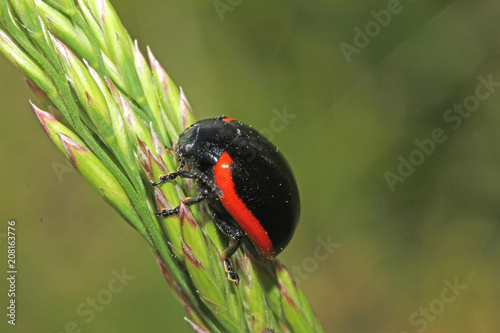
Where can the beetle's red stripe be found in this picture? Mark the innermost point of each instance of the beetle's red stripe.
(236, 207)
(228, 119)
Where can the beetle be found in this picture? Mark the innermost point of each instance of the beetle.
(247, 183)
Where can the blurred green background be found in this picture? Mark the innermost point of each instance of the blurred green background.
(398, 249)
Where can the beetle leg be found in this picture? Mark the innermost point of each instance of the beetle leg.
(166, 178)
(210, 183)
(235, 236)
(227, 253)
(179, 173)
(231, 274)
(194, 200)
(187, 201)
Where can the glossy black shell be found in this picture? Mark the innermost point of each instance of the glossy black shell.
(263, 178)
